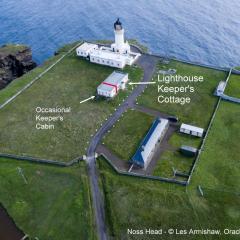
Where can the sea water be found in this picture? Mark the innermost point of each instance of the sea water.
(205, 31)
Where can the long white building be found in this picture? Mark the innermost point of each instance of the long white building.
(191, 130)
(118, 55)
(147, 148)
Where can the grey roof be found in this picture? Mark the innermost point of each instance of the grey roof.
(114, 78)
(189, 148)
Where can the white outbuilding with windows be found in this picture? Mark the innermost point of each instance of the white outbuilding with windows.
(86, 49)
(191, 130)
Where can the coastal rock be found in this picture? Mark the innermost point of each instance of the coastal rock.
(15, 60)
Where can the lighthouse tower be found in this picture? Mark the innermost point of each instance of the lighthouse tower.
(119, 45)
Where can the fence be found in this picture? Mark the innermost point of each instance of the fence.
(208, 129)
(41, 161)
(38, 77)
(231, 99)
(162, 179)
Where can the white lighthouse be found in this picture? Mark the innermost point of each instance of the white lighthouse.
(120, 45)
(117, 56)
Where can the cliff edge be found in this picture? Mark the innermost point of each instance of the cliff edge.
(15, 60)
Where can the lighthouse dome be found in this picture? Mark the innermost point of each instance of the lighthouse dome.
(118, 25)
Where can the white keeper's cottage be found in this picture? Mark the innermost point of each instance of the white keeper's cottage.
(112, 84)
(118, 55)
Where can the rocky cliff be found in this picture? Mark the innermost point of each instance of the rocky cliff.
(15, 60)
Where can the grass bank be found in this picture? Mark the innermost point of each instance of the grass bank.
(233, 87)
(199, 110)
(126, 135)
(52, 203)
(134, 203)
(69, 82)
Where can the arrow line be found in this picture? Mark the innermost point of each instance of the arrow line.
(138, 83)
(92, 97)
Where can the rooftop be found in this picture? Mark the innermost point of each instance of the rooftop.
(87, 46)
(109, 55)
(137, 157)
(192, 128)
(115, 78)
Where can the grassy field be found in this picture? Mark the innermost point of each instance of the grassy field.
(219, 162)
(126, 136)
(178, 139)
(134, 203)
(198, 112)
(233, 87)
(174, 159)
(54, 204)
(69, 82)
(143, 204)
(12, 48)
(156, 205)
(19, 83)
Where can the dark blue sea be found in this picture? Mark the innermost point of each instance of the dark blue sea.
(205, 31)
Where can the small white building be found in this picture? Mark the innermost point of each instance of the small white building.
(86, 49)
(220, 88)
(147, 148)
(191, 130)
(112, 84)
(118, 55)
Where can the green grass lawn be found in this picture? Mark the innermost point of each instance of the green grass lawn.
(69, 82)
(233, 86)
(12, 48)
(134, 203)
(54, 204)
(219, 163)
(174, 159)
(126, 136)
(198, 112)
(179, 139)
(19, 83)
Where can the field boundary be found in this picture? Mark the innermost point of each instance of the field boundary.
(225, 69)
(38, 77)
(161, 179)
(208, 130)
(41, 161)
